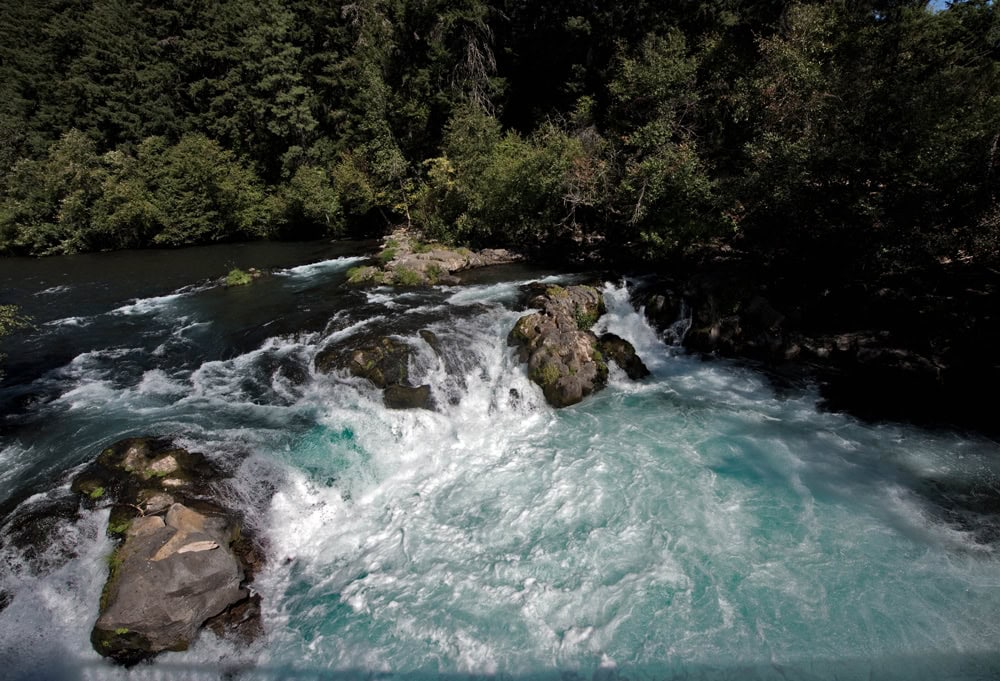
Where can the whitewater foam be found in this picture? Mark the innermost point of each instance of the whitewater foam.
(690, 523)
(322, 267)
(70, 321)
(55, 290)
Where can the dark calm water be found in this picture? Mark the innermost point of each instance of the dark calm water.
(694, 525)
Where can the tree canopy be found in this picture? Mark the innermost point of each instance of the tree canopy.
(651, 127)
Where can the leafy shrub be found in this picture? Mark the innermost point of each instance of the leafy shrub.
(204, 193)
(404, 276)
(387, 255)
(434, 273)
(238, 277)
(584, 319)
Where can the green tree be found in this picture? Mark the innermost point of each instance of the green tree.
(245, 81)
(48, 202)
(495, 187)
(127, 214)
(202, 193)
(308, 205)
(666, 192)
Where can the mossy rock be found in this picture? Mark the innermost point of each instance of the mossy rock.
(368, 274)
(382, 360)
(621, 352)
(561, 351)
(121, 519)
(122, 645)
(525, 331)
(126, 468)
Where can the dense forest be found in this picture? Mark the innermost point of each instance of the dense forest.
(644, 128)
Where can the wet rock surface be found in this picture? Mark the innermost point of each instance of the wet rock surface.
(183, 556)
(562, 353)
(171, 574)
(384, 361)
(621, 352)
(408, 397)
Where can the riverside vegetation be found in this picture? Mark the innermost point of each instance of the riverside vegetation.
(862, 130)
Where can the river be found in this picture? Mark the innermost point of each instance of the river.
(699, 524)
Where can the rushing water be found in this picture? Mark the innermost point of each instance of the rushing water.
(697, 524)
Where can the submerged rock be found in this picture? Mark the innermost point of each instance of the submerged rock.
(383, 360)
(562, 352)
(407, 397)
(182, 559)
(621, 352)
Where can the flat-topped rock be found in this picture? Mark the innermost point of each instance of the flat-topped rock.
(405, 260)
(182, 559)
(169, 576)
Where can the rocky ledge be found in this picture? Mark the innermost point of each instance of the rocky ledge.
(406, 260)
(182, 562)
(915, 348)
(565, 358)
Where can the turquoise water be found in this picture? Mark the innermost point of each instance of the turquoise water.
(697, 524)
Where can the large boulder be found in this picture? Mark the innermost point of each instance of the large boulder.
(183, 557)
(562, 352)
(171, 574)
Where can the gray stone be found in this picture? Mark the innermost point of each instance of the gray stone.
(561, 351)
(168, 578)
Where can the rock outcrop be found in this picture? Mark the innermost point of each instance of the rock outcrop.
(731, 317)
(181, 560)
(564, 356)
(384, 361)
(405, 260)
